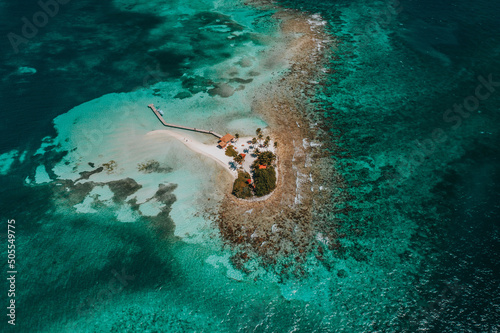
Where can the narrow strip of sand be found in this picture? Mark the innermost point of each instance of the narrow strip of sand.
(210, 151)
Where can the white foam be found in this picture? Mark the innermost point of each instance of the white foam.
(323, 239)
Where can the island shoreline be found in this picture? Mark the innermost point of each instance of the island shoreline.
(250, 226)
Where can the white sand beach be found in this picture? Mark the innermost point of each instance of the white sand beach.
(217, 154)
(211, 151)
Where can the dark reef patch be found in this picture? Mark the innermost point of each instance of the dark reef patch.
(70, 192)
(86, 174)
(196, 84)
(123, 188)
(242, 81)
(164, 193)
(152, 166)
(183, 95)
(222, 89)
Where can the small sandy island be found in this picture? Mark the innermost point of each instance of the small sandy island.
(283, 225)
(241, 145)
(280, 224)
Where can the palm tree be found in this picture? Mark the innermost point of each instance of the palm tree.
(254, 141)
(238, 159)
(236, 136)
(260, 136)
(275, 144)
(258, 130)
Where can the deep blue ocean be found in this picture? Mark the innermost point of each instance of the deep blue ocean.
(410, 114)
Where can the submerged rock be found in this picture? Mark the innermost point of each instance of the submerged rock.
(123, 188)
(222, 89)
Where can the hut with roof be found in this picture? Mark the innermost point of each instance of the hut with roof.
(225, 140)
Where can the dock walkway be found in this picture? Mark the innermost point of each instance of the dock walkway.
(152, 107)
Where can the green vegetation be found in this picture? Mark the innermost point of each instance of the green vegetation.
(265, 181)
(231, 152)
(266, 142)
(263, 170)
(264, 158)
(241, 188)
(238, 159)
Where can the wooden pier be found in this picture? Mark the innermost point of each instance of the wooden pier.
(152, 107)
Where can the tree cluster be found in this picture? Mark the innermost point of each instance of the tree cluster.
(264, 180)
(230, 151)
(264, 158)
(241, 188)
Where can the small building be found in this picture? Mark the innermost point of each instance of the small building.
(225, 140)
(262, 167)
(243, 155)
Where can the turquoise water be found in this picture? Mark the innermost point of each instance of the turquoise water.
(416, 226)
